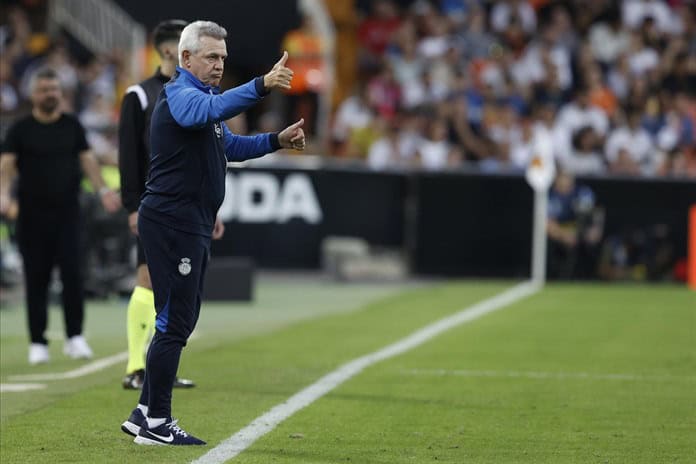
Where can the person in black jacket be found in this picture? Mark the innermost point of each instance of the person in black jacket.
(48, 150)
(133, 161)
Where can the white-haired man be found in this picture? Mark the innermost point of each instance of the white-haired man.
(190, 148)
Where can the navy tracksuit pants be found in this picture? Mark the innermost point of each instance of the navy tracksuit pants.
(177, 262)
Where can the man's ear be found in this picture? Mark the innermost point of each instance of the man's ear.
(186, 55)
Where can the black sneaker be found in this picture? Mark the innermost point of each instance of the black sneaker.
(132, 425)
(166, 434)
(183, 383)
(134, 380)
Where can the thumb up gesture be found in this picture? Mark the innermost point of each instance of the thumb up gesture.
(279, 77)
(293, 136)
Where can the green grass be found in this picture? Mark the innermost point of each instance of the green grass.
(530, 383)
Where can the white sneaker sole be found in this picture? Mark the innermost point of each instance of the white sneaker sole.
(146, 441)
(130, 428)
(72, 355)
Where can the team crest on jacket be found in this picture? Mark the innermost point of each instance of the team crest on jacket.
(218, 130)
(185, 266)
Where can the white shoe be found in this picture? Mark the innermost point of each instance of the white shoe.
(77, 348)
(38, 354)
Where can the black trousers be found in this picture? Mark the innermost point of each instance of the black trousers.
(50, 237)
(579, 262)
(177, 262)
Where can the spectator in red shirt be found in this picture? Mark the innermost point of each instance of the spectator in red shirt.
(375, 31)
(384, 92)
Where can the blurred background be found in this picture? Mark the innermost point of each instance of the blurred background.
(421, 119)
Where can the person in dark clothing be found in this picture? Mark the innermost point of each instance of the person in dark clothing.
(191, 146)
(574, 229)
(49, 152)
(133, 162)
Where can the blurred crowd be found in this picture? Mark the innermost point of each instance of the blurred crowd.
(449, 83)
(452, 82)
(92, 85)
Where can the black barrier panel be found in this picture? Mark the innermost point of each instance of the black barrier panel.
(363, 204)
(473, 225)
(463, 224)
(639, 203)
(351, 203)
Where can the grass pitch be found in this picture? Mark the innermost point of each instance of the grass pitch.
(573, 374)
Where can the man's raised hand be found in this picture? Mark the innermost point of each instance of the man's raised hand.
(293, 136)
(279, 77)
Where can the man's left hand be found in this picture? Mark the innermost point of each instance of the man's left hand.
(293, 136)
(218, 229)
(279, 77)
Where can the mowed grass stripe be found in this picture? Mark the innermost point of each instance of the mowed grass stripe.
(237, 380)
(386, 415)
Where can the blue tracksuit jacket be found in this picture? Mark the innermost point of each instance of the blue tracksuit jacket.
(190, 147)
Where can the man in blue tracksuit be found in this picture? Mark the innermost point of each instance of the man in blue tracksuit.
(190, 148)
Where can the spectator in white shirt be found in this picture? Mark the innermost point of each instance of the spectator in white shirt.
(629, 148)
(531, 67)
(522, 152)
(535, 130)
(353, 113)
(397, 148)
(636, 11)
(574, 116)
(641, 58)
(504, 128)
(503, 12)
(435, 152)
(585, 157)
(409, 69)
(435, 43)
(608, 39)
(618, 78)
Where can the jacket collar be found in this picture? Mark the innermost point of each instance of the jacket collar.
(193, 80)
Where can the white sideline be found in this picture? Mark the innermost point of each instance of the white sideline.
(20, 387)
(87, 369)
(263, 424)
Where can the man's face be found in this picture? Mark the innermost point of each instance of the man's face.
(46, 94)
(209, 62)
